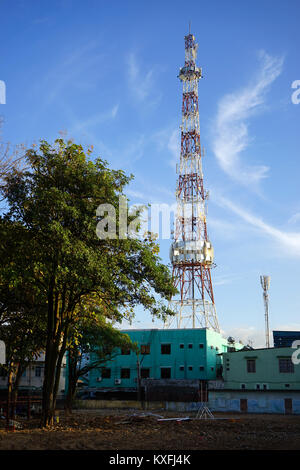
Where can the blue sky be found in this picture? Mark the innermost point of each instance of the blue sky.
(106, 73)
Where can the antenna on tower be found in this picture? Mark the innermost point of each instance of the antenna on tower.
(265, 284)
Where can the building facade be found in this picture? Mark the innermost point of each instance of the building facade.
(33, 376)
(166, 354)
(261, 369)
(259, 381)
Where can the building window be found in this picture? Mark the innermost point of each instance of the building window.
(3, 371)
(190, 367)
(125, 351)
(211, 347)
(105, 373)
(38, 371)
(181, 346)
(145, 373)
(212, 368)
(181, 368)
(165, 372)
(257, 386)
(243, 386)
(201, 368)
(251, 366)
(166, 349)
(287, 385)
(265, 386)
(145, 348)
(201, 345)
(286, 365)
(125, 373)
(190, 346)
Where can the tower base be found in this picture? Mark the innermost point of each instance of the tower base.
(193, 314)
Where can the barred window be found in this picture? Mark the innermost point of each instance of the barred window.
(286, 365)
(145, 373)
(251, 365)
(165, 373)
(145, 348)
(38, 371)
(125, 373)
(166, 349)
(125, 351)
(105, 373)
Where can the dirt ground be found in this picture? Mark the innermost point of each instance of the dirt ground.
(135, 430)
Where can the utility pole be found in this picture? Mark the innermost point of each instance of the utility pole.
(265, 283)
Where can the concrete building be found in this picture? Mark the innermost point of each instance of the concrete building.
(166, 354)
(33, 377)
(258, 381)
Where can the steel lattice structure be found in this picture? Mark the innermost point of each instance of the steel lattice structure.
(191, 252)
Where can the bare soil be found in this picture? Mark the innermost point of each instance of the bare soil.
(134, 430)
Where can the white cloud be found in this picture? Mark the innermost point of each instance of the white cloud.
(289, 241)
(248, 335)
(288, 327)
(231, 135)
(95, 120)
(224, 280)
(135, 194)
(169, 139)
(174, 147)
(295, 218)
(141, 83)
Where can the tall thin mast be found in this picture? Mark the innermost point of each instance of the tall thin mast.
(265, 284)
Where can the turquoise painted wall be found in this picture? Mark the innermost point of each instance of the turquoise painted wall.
(266, 370)
(200, 350)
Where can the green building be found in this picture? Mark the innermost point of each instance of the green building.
(261, 369)
(165, 354)
(259, 381)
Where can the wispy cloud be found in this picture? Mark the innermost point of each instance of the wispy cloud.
(231, 135)
(142, 82)
(289, 241)
(224, 280)
(95, 120)
(294, 219)
(174, 147)
(168, 139)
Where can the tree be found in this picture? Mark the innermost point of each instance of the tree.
(53, 203)
(93, 343)
(22, 312)
(9, 158)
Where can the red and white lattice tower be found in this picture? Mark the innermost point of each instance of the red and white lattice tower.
(191, 252)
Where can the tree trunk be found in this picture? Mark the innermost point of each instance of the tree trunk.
(72, 379)
(9, 393)
(48, 385)
(57, 374)
(51, 357)
(14, 395)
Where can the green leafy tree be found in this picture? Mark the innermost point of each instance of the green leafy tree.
(53, 204)
(94, 342)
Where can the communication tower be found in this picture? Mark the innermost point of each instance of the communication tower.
(191, 252)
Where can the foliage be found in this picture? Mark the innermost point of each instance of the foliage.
(56, 255)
